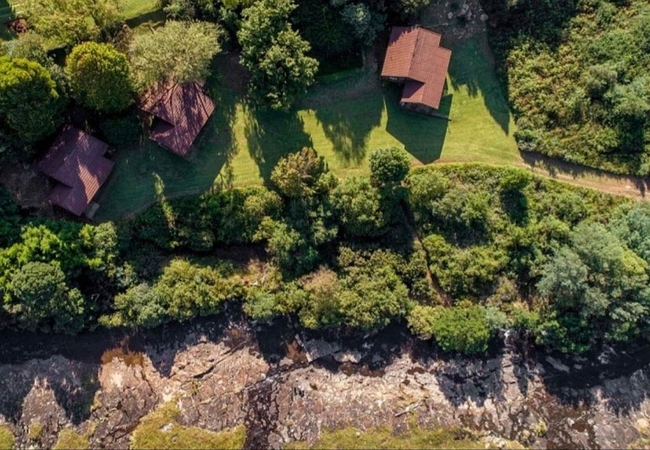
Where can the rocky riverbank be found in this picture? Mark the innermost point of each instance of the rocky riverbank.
(286, 386)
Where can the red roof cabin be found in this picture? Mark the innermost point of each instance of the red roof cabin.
(415, 58)
(76, 162)
(180, 112)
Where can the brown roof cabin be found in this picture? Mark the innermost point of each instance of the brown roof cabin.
(415, 58)
(76, 161)
(180, 112)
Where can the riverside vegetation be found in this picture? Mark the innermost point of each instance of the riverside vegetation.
(459, 252)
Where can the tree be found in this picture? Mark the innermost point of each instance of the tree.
(301, 174)
(360, 209)
(100, 76)
(409, 6)
(38, 296)
(178, 53)
(29, 100)
(70, 22)
(464, 328)
(275, 54)
(30, 45)
(364, 22)
(388, 167)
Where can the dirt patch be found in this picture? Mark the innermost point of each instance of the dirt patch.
(456, 20)
(28, 186)
(18, 26)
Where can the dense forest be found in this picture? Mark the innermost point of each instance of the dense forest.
(458, 252)
(576, 74)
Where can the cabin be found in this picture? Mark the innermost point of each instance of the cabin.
(78, 167)
(415, 59)
(179, 114)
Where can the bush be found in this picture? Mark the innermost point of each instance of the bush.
(463, 329)
(388, 167)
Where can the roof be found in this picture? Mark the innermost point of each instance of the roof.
(185, 109)
(76, 160)
(414, 53)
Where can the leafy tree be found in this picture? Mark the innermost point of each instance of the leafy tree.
(365, 23)
(290, 249)
(70, 22)
(360, 208)
(100, 76)
(409, 6)
(30, 45)
(179, 52)
(388, 167)
(40, 299)
(275, 54)
(464, 328)
(302, 174)
(634, 229)
(597, 288)
(29, 101)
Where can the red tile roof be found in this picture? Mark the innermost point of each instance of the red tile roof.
(414, 53)
(185, 109)
(76, 160)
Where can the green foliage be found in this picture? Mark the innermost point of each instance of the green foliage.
(9, 219)
(463, 328)
(275, 54)
(184, 291)
(7, 439)
(160, 430)
(388, 167)
(39, 298)
(100, 76)
(365, 23)
(302, 174)
(71, 22)
(178, 53)
(597, 287)
(576, 73)
(360, 208)
(29, 101)
(29, 45)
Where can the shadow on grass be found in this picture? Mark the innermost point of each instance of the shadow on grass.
(272, 135)
(471, 67)
(423, 136)
(152, 18)
(348, 126)
(145, 172)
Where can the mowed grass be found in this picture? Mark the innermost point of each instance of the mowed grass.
(343, 119)
(135, 8)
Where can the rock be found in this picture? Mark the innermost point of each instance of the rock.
(450, 15)
(352, 356)
(557, 365)
(484, 17)
(319, 348)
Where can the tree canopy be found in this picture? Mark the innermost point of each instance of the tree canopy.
(275, 54)
(178, 53)
(70, 22)
(100, 76)
(29, 100)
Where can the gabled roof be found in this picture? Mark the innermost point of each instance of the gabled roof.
(76, 160)
(185, 109)
(414, 53)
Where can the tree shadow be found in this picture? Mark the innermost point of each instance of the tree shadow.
(348, 129)
(423, 136)
(472, 68)
(272, 135)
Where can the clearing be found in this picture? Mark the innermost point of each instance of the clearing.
(343, 117)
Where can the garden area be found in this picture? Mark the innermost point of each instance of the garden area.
(343, 117)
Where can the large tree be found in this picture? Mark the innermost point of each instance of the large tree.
(70, 22)
(100, 76)
(275, 54)
(39, 298)
(29, 101)
(177, 53)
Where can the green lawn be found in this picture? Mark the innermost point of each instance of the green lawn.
(344, 120)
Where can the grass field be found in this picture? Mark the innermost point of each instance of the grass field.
(344, 120)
